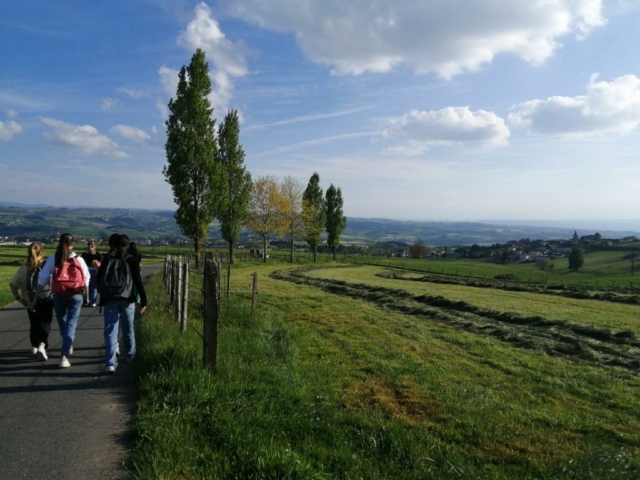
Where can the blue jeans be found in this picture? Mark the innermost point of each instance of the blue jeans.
(93, 286)
(114, 312)
(67, 312)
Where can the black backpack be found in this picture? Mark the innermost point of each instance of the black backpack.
(32, 286)
(115, 281)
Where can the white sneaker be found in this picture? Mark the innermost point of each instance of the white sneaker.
(70, 350)
(93, 305)
(64, 363)
(110, 369)
(118, 350)
(42, 354)
(34, 350)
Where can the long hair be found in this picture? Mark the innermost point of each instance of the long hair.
(65, 245)
(122, 249)
(133, 249)
(35, 256)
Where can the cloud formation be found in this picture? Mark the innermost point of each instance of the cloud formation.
(108, 104)
(83, 139)
(133, 93)
(131, 133)
(451, 126)
(227, 58)
(8, 130)
(607, 107)
(446, 37)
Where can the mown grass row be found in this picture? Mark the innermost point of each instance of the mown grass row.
(620, 295)
(600, 346)
(321, 387)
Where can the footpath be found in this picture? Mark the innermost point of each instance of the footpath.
(56, 423)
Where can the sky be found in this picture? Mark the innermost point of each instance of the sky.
(453, 110)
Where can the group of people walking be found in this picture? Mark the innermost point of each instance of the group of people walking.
(65, 282)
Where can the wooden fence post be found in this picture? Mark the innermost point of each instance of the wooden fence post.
(185, 298)
(229, 280)
(254, 293)
(172, 287)
(178, 295)
(212, 311)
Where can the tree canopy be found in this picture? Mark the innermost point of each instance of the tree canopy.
(313, 213)
(576, 259)
(335, 219)
(265, 210)
(291, 191)
(191, 147)
(235, 185)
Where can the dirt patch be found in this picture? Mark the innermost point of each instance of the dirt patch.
(597, 346)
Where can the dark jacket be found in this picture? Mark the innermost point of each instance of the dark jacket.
(138, 286)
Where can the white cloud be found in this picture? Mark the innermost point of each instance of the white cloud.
(84, 139)
(154, 130)
(11, 113)
(132, 93)
(107, 104)
(8, 130)
(227, 58)
(204, 32)
(451, 126)
(607, 107)
(132, 133)
(446, 37)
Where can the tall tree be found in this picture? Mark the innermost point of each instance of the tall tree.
(235, 187)
(418, 249)
(313, 213)
(191, 147)
(266, 205)
(336, 221)
(576, 259)
(291, 191)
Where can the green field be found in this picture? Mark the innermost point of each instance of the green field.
(344, 374)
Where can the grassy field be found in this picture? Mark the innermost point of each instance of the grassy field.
(329, 381)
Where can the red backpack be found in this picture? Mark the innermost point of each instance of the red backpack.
(69, 279)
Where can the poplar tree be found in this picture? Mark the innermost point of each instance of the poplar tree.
(235, 187)
(313, 213)
(336, 221)
(191, 148)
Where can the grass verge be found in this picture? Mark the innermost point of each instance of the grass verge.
(297, 396)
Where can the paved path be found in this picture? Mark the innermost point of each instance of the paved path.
(61, 423)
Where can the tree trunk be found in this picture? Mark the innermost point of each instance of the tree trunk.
(197, 250)
(264, 249)
(291, 259)
(231, 252)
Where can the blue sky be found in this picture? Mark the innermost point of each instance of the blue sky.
(432, 110)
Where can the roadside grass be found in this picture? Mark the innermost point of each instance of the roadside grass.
(617, 316)
(322, 386)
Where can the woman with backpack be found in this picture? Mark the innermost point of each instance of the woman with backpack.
(119, 282)
(68, 275)
(25, 281)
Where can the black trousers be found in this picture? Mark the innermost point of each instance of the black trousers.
(41, 323)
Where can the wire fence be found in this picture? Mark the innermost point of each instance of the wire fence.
(196, 288)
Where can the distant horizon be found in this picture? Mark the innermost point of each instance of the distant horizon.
(582, 225)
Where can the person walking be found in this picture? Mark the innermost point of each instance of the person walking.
(119, 282)
(24, 285)
(68, 275)
(92, 258)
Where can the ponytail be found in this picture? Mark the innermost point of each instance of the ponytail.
(65, 245)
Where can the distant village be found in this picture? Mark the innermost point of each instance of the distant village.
(514, 251)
